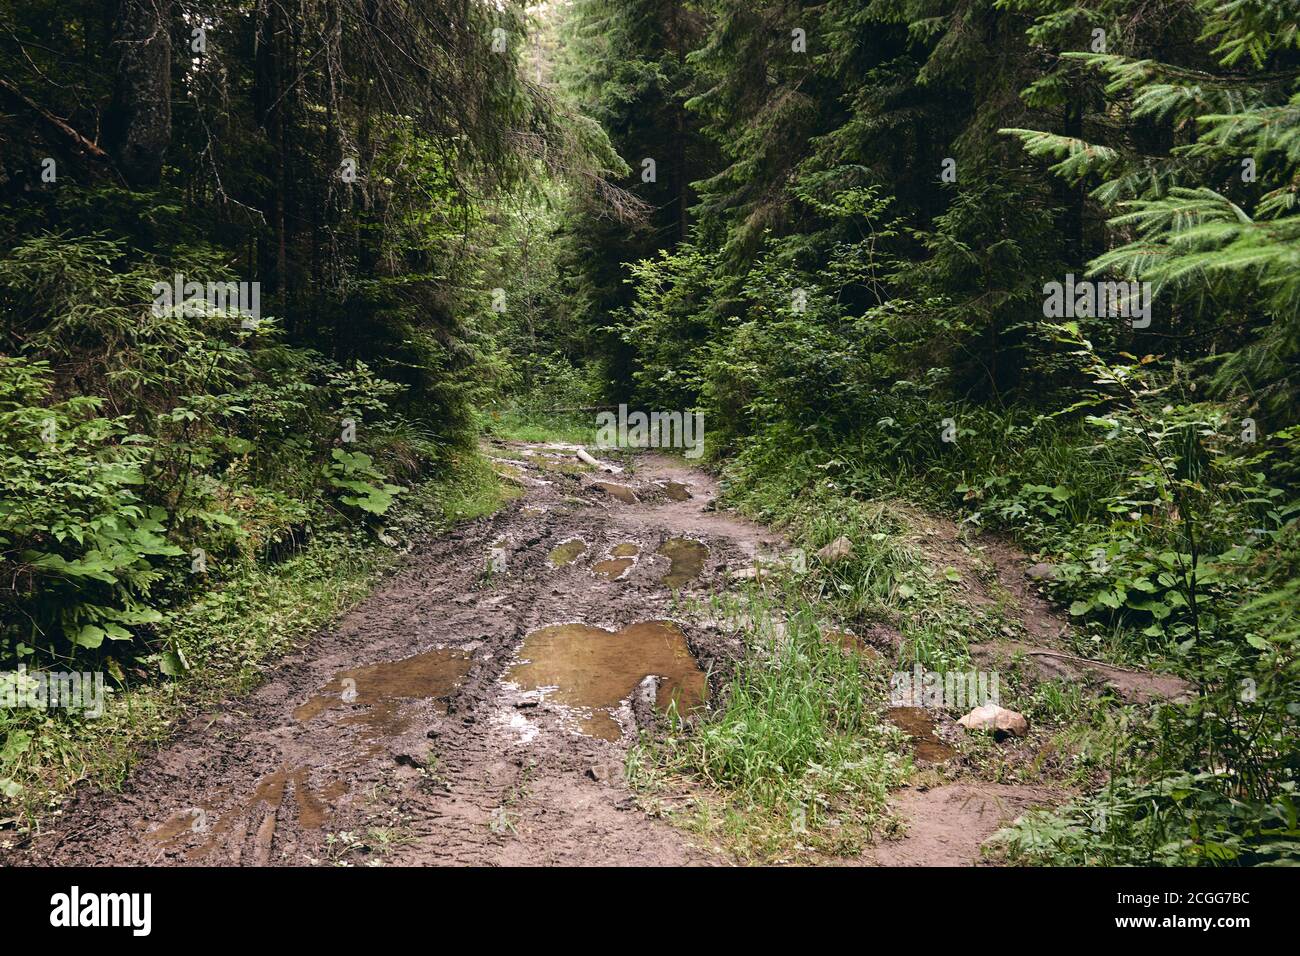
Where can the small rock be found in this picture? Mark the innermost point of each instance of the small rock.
(648, 690)
(837, 550)
(997, 719)
(604, 772)
(643, 703)
(1042, 571)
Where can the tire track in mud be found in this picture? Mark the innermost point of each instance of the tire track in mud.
(396, 737)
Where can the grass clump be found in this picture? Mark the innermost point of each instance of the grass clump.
(796, 758)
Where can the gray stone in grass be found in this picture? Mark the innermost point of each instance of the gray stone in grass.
(838, 550)
(1042, 571)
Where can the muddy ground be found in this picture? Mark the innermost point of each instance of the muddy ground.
(443, 758)
(450, 718)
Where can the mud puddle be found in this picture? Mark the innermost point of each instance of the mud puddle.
(312, 807)
(676, 490)
(177, 826)
(612, 568)
(231, 829)
(622, 493)
(687, 556)
(592, 671)
(917, 723)
(380, 690)
(621, 557)
(567, 553)
(383, 688)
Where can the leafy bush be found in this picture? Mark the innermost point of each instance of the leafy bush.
(81, 542)
(223, 447)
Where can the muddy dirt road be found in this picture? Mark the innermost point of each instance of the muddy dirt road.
(451, 718)
(477, 707)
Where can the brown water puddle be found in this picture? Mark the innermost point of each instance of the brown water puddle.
(919, 725)
(612, 568)
(622, 492)
(676, 490)
(593, 670)
(312, 808)
(382, 688)
(567, 552)
(687, 557)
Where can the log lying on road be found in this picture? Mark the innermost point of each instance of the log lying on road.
(595, 463)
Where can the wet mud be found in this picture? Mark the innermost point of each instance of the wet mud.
(446, 719)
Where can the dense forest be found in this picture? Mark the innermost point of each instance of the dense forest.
(272, 272)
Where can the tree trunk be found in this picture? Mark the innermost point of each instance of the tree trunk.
(268, 99)
(138, 127)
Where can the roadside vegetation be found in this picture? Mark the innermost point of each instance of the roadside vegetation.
(227, 635)
(194, 475)
(831, 228)
(860, 307)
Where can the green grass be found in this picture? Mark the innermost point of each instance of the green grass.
(518, 425)
(889, 579)
(797, 758)
(227, 635)
(1207, 782)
